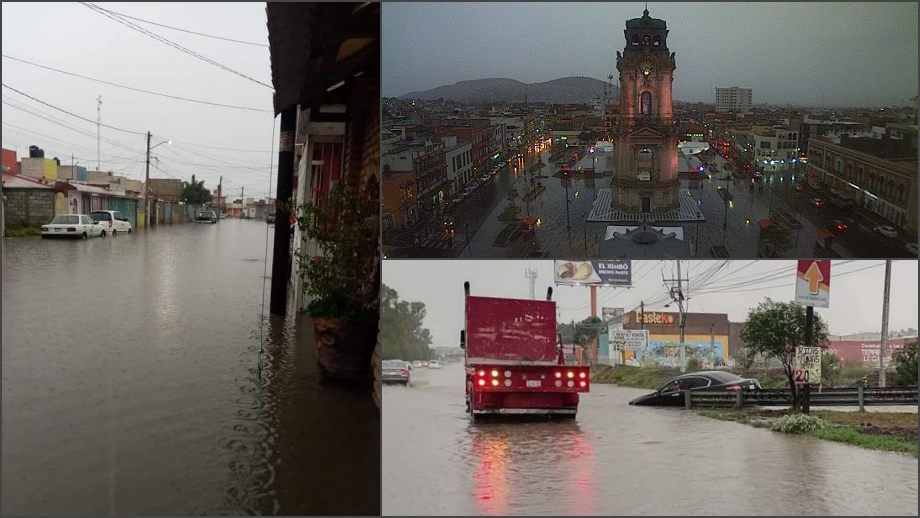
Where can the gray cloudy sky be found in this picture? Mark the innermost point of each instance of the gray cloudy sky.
(855, 304)
(854, 53)
(73, 38)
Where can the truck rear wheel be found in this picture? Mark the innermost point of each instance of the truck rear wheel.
(469, 404)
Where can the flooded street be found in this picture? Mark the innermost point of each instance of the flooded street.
(616, 459)
(133, 383)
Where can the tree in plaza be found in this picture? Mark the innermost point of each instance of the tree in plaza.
(195, 193)
(775, 329)
(401, 332)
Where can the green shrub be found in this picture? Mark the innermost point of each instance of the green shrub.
(797, 423)
(905, 365)
(693, 364)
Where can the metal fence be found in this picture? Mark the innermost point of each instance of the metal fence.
(857, 396)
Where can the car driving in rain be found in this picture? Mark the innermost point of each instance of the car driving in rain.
(672, 392)
(394, 371)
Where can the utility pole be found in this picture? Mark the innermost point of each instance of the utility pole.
(531, 275)
(147, 186)
(220, 199)
(99, 136)
(712, 345)
(242, 204)
(677, 295)
(883, 343)
(642, 315)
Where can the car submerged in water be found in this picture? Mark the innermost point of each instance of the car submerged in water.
(672, 392)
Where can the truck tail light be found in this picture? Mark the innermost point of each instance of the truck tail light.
(558, 374)
(494, 383)
(583, 384)
(482, 382)
(570, 374)
(507, 382)
(494, 373)
(582, 375)
(482, 373)
(571, 384)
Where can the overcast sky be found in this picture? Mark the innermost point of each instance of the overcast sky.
(855, 303)
(73, 38)
(854, 53)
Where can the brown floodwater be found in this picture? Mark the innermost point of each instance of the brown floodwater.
(615, 459)
(137, 380)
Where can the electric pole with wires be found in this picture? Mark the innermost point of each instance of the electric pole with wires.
(677, 293)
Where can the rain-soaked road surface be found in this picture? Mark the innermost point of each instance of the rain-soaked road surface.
(615, 459)
(131, 384)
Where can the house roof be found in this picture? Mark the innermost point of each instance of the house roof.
(315, 45)
(15, 181)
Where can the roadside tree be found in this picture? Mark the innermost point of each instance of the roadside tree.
(776, 329)
(401, 332)
(905, 365)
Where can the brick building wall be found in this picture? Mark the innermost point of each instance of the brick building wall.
(28, 207)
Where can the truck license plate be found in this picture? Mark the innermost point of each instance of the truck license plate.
(534, 383)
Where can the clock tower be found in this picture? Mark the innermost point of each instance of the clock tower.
(645, 175)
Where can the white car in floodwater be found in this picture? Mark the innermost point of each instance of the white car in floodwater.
(79, 226)
(433, 364)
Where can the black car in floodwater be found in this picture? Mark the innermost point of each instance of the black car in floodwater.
(207, 216)
(672, 393)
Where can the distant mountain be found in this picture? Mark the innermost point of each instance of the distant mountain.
(565, 90)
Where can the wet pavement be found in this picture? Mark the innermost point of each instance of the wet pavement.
(133, 383)
(563, 206)
(616, 459)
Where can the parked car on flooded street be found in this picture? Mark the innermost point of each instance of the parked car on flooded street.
(394, 371)
(75, 226)
(112, 222)
(672, 392)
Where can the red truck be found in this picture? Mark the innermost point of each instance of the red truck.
(515, 362)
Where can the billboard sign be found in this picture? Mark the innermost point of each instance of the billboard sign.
(813, 282)
(635, 340)
(593, 273)
(612, 316)
(807, 365)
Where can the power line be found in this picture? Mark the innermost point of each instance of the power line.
(199, 101)
(72, 114)
(166, 41)
(190, 32)
(48, 118)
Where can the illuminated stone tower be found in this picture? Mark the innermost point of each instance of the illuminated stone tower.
(645, 175)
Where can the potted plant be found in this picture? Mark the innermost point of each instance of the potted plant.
(341, 279)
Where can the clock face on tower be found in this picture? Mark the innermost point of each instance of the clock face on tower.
(645, 68)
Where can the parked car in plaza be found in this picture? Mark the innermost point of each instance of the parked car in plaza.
(79, 226)
(112, 222)
(886, 230)
(817, 202)
(672, 392)
(206, 216)
(394, 371)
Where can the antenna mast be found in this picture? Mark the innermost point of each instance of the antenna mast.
(98, 132)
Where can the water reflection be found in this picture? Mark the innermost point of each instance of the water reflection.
(167, 406)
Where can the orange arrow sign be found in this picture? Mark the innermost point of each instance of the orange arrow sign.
(814, 277)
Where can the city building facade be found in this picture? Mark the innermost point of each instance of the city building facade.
(733, 100)
(877, 175)
(775, 149)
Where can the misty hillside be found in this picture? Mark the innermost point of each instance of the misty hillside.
(564, 90)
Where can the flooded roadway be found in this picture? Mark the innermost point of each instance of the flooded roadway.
(615, 459)
(133, 384)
